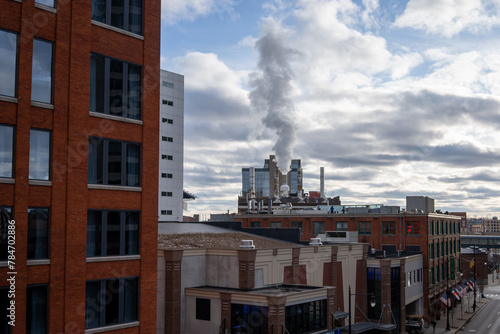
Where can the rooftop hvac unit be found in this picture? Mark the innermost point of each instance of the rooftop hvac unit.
(315, 242)
(247, 244)
(339, 236)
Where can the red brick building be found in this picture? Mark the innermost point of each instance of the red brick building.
(79, 121)
(437, 236)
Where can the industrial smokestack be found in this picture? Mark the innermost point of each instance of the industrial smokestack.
(322, 181)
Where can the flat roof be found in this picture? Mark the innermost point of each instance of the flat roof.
(279, 290)
(194, 236)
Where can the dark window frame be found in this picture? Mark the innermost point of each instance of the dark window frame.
(13, 157)
(16, 64)
(105, 162)
(50, 154)
(51, 71)
(4, 220)
(364, 228)
(125, 92)
(339, 226)
(413, 228)
(318, 227)
(100, 303)
(30, 249)
(30, 309)
(103, 247)
(126, 16)
(388, 228)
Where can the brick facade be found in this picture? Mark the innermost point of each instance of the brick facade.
(66, 195)
(433, 229)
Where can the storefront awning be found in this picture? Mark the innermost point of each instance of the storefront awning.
(339, 315)
(359, 327)
(385, 327)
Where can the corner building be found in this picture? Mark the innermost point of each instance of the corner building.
(436, 236)
(79, 124)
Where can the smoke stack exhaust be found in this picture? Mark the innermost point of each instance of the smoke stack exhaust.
(322, 181)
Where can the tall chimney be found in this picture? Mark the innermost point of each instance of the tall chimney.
(322, 181)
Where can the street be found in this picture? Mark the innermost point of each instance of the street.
(488, 319)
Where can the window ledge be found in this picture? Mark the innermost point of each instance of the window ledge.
(8, 99)
(42, 105)
(118, 30)
(113, 258)
(115, 118)
(40, 183)
(108, 187)
(7, 180)
(38, 262)
(112, 328)
(44, 7)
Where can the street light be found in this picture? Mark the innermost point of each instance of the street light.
(372, 302)
(474, 305)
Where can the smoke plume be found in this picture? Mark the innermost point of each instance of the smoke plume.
(271, 90)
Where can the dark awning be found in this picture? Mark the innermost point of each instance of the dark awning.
(359, 327)
(339, 315)
(385, 327)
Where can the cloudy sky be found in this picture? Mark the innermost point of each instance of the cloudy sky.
(392, 97)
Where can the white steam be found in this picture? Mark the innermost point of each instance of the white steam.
(271, 90)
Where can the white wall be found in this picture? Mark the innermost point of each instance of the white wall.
(174, 148)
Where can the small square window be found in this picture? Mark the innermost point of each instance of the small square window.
(203, 309)
(167, 84)
(164, 193)
(168, 102)
(167, 120)
(163, 212)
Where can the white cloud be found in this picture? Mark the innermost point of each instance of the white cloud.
(401, 65)
(174, 11)
(450, 17)
(205, 72)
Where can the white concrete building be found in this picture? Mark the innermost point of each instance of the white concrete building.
(170, 190)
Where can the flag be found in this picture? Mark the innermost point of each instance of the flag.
(445, 300)
(454, 293)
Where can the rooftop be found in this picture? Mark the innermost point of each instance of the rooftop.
(190, 236)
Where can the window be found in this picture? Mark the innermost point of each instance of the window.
(431, 251)
(6, 148)
(4, 304)
(413, 228)
(364, 228)
(5, 217)
(254, 224)
(167, 120)
(249, 319)
(167, 84)
(340, 226)
(275, 224)
(111, 302)
(318, 228)
(8, 65)
(36, 309)
(203, 309)
(296, 225)
(114, 162)
(167, 157)
(50, 3)
(169, 139)
(307, 317)
(38, 233)
(112, 233)
(167, 102)
(126, 15)
(41, 77)
(388, 228)
(166, 175)
(431, 276)
(39, 167)
(115, 87)
(169, 193)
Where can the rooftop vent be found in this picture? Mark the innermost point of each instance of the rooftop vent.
(315, 242)
(247, 244)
